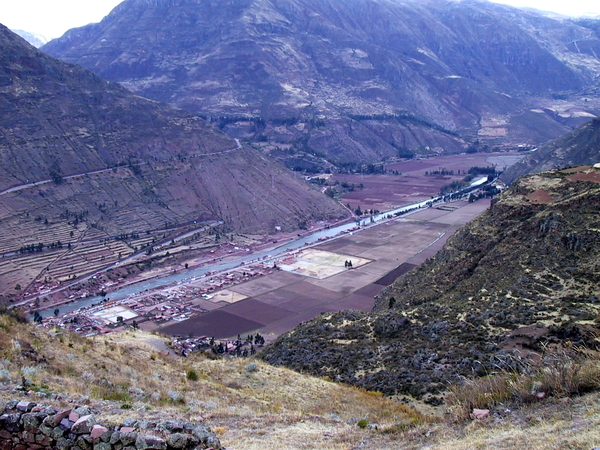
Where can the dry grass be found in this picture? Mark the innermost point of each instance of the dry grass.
(250, 404)
(561, 373)
(253, 406)
(549, 425)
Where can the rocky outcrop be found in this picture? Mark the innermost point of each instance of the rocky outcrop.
(25, 425)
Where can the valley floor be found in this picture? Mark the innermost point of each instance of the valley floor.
(304, 284)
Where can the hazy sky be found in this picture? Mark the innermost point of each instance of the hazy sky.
(51, 18)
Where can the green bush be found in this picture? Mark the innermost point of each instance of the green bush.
(192, 375)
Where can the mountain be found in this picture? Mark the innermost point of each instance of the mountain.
(86, 163)
(37, 40)
(506, 289)
(581, 146)
(352, 81)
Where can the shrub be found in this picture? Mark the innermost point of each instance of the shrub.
(192, 375)
(363, 423)
(15, 313)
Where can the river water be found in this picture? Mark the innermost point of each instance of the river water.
(266, 256)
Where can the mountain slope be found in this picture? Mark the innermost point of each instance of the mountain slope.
(507, 287)
(251, 405)
(353, 80)
(85, 163)
(37, 40)
(581, 146)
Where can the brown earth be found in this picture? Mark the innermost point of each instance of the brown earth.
(415, 183)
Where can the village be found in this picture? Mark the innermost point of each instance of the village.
(150, 310)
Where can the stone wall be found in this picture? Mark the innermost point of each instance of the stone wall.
(28, 426)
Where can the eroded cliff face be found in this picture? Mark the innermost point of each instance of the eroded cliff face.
(325, 76)
(519, 279)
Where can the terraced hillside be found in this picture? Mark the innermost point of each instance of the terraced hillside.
(91, 173)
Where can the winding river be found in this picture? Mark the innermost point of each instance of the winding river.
(265, 256)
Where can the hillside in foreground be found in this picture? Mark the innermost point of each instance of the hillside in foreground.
(513, 284)
(134, 378)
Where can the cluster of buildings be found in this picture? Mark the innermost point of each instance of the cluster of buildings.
(150, 310)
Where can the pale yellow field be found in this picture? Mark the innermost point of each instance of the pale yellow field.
(321, 264)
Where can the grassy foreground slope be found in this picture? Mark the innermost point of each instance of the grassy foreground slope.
(248, 403)
(251, 405)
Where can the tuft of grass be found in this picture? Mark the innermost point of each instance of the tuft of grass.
(560, 374)
(110, 392)
(16, 314)
(220, 431)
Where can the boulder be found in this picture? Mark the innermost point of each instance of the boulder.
(54, 420)
(478, 414)
(127, 437)
(97, 431)
(31, 422)
(10, 422)
(103, 446)
(64, 444)
(178, 440)
(25, 406)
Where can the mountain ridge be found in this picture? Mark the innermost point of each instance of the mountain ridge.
(581, 146)
(91, 173)
(485, 71)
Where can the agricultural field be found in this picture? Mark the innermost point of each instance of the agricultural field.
(316, 280)
(414, 180)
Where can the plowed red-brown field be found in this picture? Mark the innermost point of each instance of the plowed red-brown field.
(385, 192)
